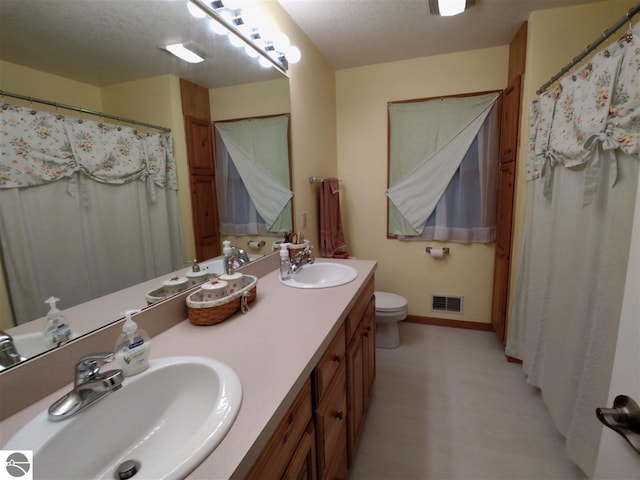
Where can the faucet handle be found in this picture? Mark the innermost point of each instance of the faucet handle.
(89, 365)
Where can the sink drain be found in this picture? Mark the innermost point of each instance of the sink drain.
(127, 469)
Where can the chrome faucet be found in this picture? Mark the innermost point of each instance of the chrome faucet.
(303, 257)
(89, 386)
(8, 353)
(240, 255)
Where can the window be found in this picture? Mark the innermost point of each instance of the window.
(253, 176)
(443, 164)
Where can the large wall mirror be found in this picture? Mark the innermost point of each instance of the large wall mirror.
(104, 46)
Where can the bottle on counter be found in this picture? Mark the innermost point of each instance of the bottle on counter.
(285, 262)
(133, 347)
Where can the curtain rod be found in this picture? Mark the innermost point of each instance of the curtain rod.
(83, 110)
(591, 47)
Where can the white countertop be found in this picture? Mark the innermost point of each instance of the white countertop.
(273, 348)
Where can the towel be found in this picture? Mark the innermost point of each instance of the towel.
(332, 242)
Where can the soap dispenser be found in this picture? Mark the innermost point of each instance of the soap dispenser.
(55, 330)
(227, 260)
(285, 262)
(133, 347)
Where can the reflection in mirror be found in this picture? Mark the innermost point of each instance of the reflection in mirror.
(253, 176)
(103, 55)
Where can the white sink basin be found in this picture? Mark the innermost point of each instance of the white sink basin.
(322, 275)
(32, 344)
(169, 418)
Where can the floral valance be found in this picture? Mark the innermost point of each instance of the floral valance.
(39, 147)
(588, 116)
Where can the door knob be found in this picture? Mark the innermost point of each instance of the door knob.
(623, 418)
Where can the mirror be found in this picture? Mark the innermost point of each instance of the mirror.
(107, 42)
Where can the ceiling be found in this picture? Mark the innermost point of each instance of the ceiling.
(103, 42)
(352, 33)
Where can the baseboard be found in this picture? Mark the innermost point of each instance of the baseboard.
(444, 322)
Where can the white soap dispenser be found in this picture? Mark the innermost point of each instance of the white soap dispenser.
(227, 260)
(55, 330)
(285, 262)
(133, 347)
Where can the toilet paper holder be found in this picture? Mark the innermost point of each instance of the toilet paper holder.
(445, 250)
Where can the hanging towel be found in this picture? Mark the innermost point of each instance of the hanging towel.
(332, 242)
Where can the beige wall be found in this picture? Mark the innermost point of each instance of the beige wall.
(554, 37)
(404, 267)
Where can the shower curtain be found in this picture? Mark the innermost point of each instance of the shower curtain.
(86, 208)
(583, 172)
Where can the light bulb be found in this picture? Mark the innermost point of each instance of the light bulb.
(280, 41)
(449, 8)
(217, 27)
(195, 10)
(235, 40)
(264, 62)
(250, 51)
(293, 54)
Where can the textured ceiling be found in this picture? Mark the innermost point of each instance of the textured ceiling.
(353, 33)
(103, 42)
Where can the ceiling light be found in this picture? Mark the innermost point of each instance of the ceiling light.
(448, 8)
(195, 11)
(183, 53)
(293, 54)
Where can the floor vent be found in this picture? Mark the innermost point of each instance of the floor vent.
(441, 303)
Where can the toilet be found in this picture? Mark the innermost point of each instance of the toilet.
(390, 309)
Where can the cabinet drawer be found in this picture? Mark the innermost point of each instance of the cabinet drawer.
(275, 457)
(331, 423)
(329, 364)
(355, 315)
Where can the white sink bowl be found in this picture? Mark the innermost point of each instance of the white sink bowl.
(169, 418)
(32, 344)
(322, 275)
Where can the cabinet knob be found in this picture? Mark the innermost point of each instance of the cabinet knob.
(339, 415)
(336, 358)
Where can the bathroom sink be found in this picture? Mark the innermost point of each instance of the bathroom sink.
(322, 275)
(168, 419)
(32, 344)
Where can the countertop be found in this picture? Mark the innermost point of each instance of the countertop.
(273, 348)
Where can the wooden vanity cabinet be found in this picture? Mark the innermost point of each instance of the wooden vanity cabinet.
(361, 364)
(291, 451)
(322, 446)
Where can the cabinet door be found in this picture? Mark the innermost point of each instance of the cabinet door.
(205, 216)
(355, 392)
(199, 146)
(510, 122)
(503, 249)
(331, 428)
(303, 462)
(369, 351)
(282, 447)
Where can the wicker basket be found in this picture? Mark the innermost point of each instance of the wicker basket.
(156, 295)
(211, 312)
(295, 248)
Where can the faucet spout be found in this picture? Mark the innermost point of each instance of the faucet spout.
(89, 386)
(241, 255)
(8, 352)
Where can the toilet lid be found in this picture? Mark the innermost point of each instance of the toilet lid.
(386, 302)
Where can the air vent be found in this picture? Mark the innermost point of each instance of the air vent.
(442, 303)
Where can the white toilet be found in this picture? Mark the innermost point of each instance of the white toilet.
(390, 309)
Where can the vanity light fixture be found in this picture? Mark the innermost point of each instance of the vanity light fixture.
(183, 53)
(248, 29)
(449, 8)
